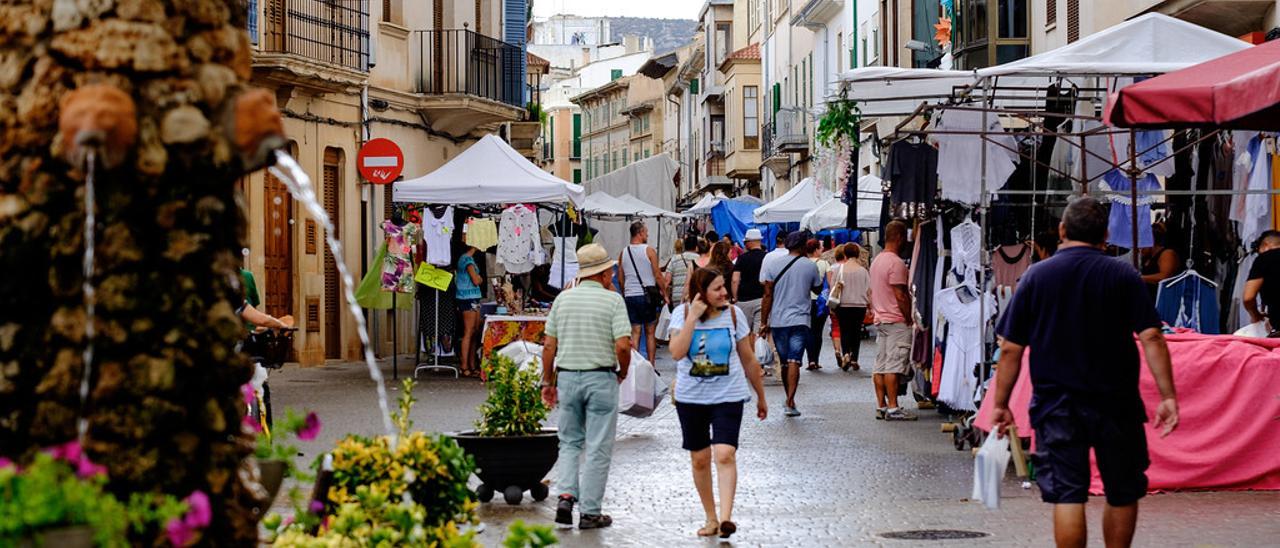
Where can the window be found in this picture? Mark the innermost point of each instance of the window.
(646, 118)
(615, 74)
(577, 136)
(723, 39)
(840, 50)
(1013, 19)
(577, 176)
(693, 86)
(1050, 12)
(646, 153)
(551, 127)
(750, 117)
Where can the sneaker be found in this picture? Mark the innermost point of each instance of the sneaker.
(596, 521)
(880, 412)
(564, 510)
(790, 411)
(899, 414)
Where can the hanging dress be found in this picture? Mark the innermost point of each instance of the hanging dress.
(397, 264)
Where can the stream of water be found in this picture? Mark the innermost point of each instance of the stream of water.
(82, 425)
(299, 184)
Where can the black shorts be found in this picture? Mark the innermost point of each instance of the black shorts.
(705, 424)
(1064, 436)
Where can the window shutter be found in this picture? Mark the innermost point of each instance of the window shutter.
(1051, 12)
(615, 74)
(693, 86)
(1073, 20)
(332, 298)
(577, 136)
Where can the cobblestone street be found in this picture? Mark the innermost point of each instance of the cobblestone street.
(832, 477)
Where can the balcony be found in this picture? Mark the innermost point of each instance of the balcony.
(468, 80)
(322, 45)
(791, 130)
(715, 149)
(715, 174)
(777, 161)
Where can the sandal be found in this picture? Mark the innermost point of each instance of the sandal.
(813, 366)
(727, 529)
(709, 530)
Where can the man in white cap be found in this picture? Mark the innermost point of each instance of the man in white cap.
(747, 288)
(586, 354)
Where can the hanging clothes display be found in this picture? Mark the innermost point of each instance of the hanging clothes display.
(1122, 216)
(371, 295)
(519, 240)
(1253, 172)
(480, 233)
(437, 313)
(960, 156)
(911, 179)
(1009, 262)
(966, 249)
(397, 264)
(964, 312)
(1188, 300)
(438, 233)
(566, 269)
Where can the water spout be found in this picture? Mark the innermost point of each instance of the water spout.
(299, 185)
(82, 425)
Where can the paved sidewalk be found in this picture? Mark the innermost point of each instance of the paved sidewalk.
(832, 477)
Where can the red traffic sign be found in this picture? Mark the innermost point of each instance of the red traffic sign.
(380, 161)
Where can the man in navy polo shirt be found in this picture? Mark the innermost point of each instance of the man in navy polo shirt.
(1078, 312)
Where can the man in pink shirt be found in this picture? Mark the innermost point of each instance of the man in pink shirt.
(891, 304)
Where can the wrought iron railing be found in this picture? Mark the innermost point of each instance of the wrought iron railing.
(791, 128)
(767, 148)
(460, 61)
(329, 31)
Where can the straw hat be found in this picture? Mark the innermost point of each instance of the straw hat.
(592, 260)
(753, 234)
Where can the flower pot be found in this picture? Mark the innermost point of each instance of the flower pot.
(271, 476)
(511, 464)
(76, 536)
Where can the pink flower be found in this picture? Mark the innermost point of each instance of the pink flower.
(199, 513)
(310, 428)
(69, 452)
(85, 468)
(179, 533)
(6, 463)
(316, 507)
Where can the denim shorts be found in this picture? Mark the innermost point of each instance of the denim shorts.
(639, 312)
(468, 305)
(790, 342)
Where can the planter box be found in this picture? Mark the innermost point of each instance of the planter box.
(511, 464)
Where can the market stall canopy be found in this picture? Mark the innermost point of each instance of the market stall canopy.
(833, 212)
(646, 209)
(704, 205)
(1236, 91)
(790, 207)
(1153, 43)
(601, 204)
(489, 172)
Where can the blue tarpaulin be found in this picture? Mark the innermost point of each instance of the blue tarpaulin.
(734, 218)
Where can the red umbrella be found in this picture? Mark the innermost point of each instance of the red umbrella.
(1236, 91)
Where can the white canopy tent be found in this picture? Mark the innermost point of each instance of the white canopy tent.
(647, 209)
(1153, 43)
(709, 201)
(791, 206)
(833, 212)
(489, 172)
(605, 206)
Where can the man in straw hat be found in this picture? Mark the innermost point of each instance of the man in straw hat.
(586, 355)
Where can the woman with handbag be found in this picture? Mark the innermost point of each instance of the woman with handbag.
(643, 288)
(834, 285)
(854, 293)
(716, 371)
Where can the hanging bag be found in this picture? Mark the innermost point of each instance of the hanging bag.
(833, 296)
(651, 292)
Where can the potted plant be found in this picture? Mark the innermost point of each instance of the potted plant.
(511, 448)
(60, 498)
(275, 455)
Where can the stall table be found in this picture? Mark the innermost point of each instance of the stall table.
(501, 330)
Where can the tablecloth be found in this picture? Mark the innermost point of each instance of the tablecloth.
(1228, 437)
(502, 330)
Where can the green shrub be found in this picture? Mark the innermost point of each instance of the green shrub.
(514, 406)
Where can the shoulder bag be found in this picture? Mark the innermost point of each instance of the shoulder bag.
(651, 292)
(833, 296)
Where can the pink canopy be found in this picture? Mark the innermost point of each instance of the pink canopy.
(1236, 91)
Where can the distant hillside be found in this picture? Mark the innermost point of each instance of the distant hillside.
(667, 34)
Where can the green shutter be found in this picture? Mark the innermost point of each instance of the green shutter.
(615, 74)
(551, 125)
(777, 99)
(577, 176)
(693, 86)
(577, 136)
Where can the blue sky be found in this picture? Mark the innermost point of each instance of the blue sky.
(667, 9)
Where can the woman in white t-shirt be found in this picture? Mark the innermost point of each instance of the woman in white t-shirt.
(716, 370)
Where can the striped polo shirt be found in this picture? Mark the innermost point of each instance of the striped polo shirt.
(586, 321)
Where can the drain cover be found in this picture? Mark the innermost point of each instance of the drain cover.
(933, 534)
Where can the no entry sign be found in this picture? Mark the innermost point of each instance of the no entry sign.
(380, 161)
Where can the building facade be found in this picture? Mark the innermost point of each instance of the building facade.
(342, 74)
(621, 121)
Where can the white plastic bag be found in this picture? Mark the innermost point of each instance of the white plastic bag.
(763, 352)
(1257, 330)
(636, 394)
(988, 470)
(525, 354)
(664, 323)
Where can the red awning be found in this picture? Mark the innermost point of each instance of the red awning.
(1236, 91)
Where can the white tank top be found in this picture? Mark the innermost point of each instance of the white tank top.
(634, 285)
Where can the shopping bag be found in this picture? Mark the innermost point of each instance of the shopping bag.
(988, 470)
(764, 353)
(1256, 330)
(636, 393)
(527, 355)
(664, 322)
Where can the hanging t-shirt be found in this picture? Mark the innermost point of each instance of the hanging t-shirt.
(518, 239)
(959, 385)
(438, 232)
(712, 371)
(563, 268)
(397, 265)
(1009, 262)
(960, 156)
(912, 176)
(1120, 227)
(465, 287)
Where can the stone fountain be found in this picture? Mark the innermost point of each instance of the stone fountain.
(155, 94)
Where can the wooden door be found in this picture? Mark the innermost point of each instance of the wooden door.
(332, 285)
(278, 248)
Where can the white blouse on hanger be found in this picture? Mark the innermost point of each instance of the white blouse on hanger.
(570, 266)
(958, 386)
(519, 241)
(966, 249)
(438, 233)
